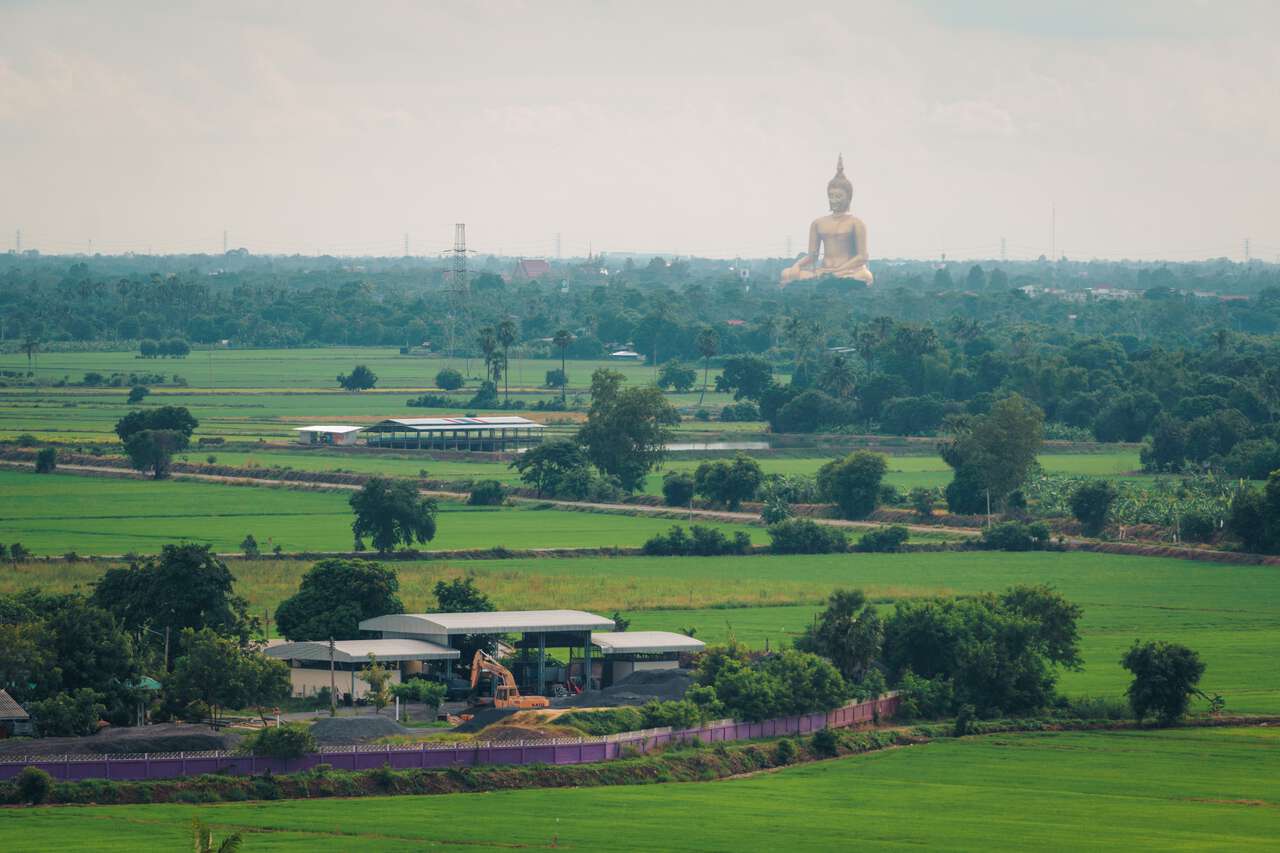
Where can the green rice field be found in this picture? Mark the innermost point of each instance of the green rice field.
(57, 513)
(1179, 789)
(905, 472)
(1228, 613)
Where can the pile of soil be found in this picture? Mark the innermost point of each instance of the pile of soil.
(664, 685)
(161, 737)
(350, 730)
(484, 718)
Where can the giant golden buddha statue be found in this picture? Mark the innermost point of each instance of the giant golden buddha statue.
(840, 239)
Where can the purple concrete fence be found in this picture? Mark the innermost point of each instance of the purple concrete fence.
(415, 756)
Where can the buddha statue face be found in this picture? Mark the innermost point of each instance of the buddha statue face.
(839, 190)
(838, 198)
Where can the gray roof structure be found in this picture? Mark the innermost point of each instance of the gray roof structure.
(10, 709)
(645, 642)
(449, 424)
(339, 429)
(497, 622)
(357, 651)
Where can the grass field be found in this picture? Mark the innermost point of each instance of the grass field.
(1215, 789)
(57, 513)
(905, 472)
(1230, 614)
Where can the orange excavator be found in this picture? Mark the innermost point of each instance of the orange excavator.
(505, 692)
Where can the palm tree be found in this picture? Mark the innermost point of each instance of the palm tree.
(506, 337)
(708, 343)
(838, 378)
(562, 339)
(489, 346)
(30, 346)
(204, 839)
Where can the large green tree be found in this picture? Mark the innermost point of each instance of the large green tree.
(848, 632)
(1165, 676)
(221, 673)
(548, 466)
(392, 512)
(335, 596)
(627, 429)
(185, 586)
(995, 452)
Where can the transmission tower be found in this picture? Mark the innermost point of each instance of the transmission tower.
(459, 287)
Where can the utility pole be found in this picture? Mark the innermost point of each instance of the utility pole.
(333, 684)
(224, 241)
(557, 245)
(1246, 250)
(166, 648)
(17, 243)
(788, 247)
(406, 244)
(1053, 227)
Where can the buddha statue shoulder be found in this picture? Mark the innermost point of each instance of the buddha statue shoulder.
(837, 242)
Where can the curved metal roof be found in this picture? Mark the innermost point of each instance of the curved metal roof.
(497, 622)
(357, 651)
(642, 642)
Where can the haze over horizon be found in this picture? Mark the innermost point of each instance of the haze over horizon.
(709, 129)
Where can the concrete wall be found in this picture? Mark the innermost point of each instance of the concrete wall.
(308, 682)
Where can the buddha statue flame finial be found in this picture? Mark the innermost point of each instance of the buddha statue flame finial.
(840, 181)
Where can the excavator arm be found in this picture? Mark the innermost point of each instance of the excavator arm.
(508, 696)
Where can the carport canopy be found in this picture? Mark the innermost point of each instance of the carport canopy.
(645, 643)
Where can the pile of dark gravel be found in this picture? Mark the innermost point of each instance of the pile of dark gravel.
(664, 685)
(361, 729)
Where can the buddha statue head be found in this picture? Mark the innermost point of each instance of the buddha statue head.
(839, 190)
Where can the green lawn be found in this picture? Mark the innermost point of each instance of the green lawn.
(1213, 789)
(57, 513)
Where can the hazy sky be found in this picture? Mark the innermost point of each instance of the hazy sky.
(707, 128)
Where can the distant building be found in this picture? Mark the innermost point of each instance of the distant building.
(14, 719)
(527, 269)
(328, 434)
(626, 355)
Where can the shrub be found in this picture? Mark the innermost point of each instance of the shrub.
(729, 483)
(785, 751)
(1091, 504)
(922, 501)
(825, 742)
(69, 714)
(1197, 526)
(555, 378)
(136, 393)
(677, 488)
(883, 540)
(249, 546)
(604, 722)
(27, 440)
(853, 483)
(804, 536)
(1016, 536)
(775, 510)
(46, 460)
(33, 785)
(487, 493)
(699, 541)
(287, 741)
(18, 553)
(924, 698)
(964, 721)
(449, 379)
(682, 714)
(432, 401)
(1165, 676)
